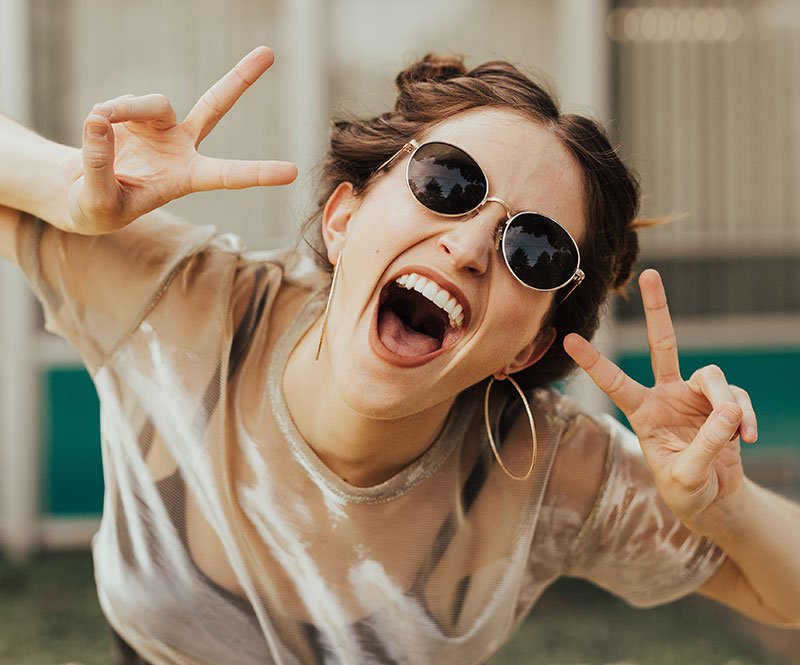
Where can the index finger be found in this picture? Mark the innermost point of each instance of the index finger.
(220, 97)
(626, 393)
(660, 331)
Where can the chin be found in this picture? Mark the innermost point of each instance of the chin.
(384, 398)
(381, 390)
(375, 391)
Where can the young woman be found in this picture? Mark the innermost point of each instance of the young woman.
(372, 468)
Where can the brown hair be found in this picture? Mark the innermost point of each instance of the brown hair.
(436, 88)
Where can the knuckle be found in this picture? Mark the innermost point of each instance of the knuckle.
(97, 207)
(682, 477)
(740, 392)
(262, 175)
(118, 98)
(668, 343)
(253, 171)
(716, 436)
(226, 174)
(123, 107)
(240, 74)
(617, 381)
(736, 410)
(95, 159)
(706, 439)
(162, 103)
(594, 361)
(211, 100)
(657, 305)
(713, 371)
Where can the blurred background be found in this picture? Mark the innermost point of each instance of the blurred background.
(704, 101)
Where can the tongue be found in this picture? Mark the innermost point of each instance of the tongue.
(402, 340)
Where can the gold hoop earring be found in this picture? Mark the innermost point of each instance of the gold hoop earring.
(328, 306)
(534, 443)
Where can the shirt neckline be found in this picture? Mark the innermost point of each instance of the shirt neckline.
(423, 467)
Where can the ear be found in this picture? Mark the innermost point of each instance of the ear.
(336, 217)
(530, 355)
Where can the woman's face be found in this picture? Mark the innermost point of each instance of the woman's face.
(382, 367)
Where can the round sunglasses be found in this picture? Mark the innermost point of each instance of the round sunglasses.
(539, 252)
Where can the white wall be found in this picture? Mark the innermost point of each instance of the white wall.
(18, 376)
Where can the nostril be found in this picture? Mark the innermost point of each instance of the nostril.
(466, 247)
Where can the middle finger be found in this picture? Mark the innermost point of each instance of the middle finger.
(220, 97)
(660, 332)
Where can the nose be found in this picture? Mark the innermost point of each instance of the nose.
(470, 242)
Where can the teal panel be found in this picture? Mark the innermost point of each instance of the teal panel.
(769, 375)
(73, 480)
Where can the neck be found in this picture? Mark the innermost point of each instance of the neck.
(363, 451)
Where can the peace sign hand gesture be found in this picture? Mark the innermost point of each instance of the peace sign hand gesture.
(136, 156)
(689, 430)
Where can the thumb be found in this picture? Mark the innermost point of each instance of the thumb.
(100, 193)
(719, 429)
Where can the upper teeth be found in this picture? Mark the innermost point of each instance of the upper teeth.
(436, 294)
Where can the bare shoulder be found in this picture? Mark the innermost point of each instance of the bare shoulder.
(9, 218)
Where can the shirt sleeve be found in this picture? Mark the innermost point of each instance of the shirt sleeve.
(95, 290)
(631, 544)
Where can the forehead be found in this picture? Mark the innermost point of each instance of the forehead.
(526, 165)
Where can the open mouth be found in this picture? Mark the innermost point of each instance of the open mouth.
(417, 318)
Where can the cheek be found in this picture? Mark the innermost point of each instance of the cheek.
(381, 232)
(518, 318)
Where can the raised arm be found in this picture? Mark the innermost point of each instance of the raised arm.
(135, 158)
(8, 225)
(690, 433)
(35, 176)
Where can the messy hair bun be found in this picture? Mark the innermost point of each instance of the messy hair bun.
(438, 87)
(431, 68)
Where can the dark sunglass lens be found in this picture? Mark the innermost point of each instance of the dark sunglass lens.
(539, 251)
(445, 179)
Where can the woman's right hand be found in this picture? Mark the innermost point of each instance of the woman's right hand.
(137, 157)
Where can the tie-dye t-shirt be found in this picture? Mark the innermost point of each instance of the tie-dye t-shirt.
(225, 539)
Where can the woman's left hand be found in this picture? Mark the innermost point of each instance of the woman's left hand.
(689, 430)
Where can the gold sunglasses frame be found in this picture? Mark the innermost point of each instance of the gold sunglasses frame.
(413, 146)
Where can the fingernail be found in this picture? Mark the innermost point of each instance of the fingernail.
(751, 434)
(98, 130)
(730, 416)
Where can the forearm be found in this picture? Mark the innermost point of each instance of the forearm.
(35, 174)
(760, 532)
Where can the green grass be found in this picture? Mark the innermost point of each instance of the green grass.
(576, 623)
(49, 615)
